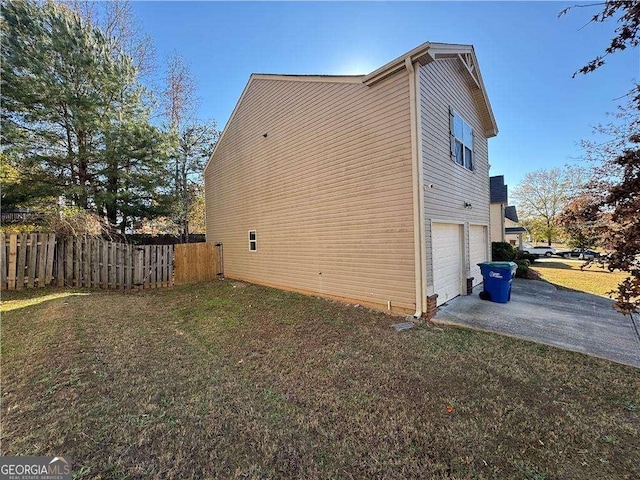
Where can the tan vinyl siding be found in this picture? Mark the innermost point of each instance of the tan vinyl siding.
(328, 191)
(443, 84)
(497, 222)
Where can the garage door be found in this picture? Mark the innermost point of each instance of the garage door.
(477, 251)
(447, 261)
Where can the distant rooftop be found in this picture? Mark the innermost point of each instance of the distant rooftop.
(498, 189)
(511, 214)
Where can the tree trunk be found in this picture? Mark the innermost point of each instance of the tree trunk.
(111, 202)
(185, 203)
(83, 171)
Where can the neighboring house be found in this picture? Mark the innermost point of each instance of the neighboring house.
(504, 218)
(371, 189)
(512, 231)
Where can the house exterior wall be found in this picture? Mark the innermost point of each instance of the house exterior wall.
(497, 222)
(510, 223)
(447, 186)
(328, 190)
(514, 239)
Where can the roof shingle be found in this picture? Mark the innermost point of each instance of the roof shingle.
(498, 189)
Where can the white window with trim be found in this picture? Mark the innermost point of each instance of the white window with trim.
(461, 140)
(253, 241)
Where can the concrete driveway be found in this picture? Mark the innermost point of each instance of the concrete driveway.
(541, 313)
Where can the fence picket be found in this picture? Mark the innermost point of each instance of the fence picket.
(22, 259)
(13, 258)
(131, 251)
(104, 266)
(168, 271)
(111, 281)
(161, 265)
(128, 266)
(42, 259)
(172, 250)
(86, 259)
(59, 262)
(33, 260)
(3, 262)
(74, 254)
(51, 245)
(119, 269)
(147, 276)
(68, 267)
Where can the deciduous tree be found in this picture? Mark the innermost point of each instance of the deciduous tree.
(74, 122)
(582, 222)
(193, 140)
(543, 194)
(617, 178)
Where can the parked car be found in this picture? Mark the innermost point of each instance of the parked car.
(580, 253)
(541, 251)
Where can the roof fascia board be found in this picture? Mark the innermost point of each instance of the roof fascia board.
(395, 65)
(233, 113)
(493, 131)
(443, 50)
(310, 78)
(428, 52)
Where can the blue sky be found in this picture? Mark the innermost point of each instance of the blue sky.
(526, 54)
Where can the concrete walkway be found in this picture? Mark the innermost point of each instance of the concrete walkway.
(541, 313)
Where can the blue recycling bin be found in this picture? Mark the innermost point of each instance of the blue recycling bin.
(497, 277)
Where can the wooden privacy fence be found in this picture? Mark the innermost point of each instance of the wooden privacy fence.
(38, 260)
(197, 262)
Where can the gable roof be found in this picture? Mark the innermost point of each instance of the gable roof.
(425, 53)
(511, 214)
(498, 190)
(431, 51)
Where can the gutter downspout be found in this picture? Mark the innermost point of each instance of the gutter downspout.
(417, 182)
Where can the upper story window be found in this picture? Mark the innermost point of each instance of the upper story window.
(461, 140)
(253, 241)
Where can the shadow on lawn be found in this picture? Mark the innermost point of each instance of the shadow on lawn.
(551, 264)
(559, 265)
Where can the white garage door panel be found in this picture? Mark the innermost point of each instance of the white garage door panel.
(477, 251)
(447, 260)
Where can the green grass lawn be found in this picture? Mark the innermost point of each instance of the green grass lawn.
(229, 380)
(567, 274)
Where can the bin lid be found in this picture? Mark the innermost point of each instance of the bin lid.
(503, 265)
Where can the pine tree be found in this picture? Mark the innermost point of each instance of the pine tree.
(74, 120)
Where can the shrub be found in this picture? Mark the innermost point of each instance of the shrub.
(74, 221)
(523, 268)
(522, 255)
(502, 252)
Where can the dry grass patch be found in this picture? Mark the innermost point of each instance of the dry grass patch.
(212, 381)
(568, 274)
